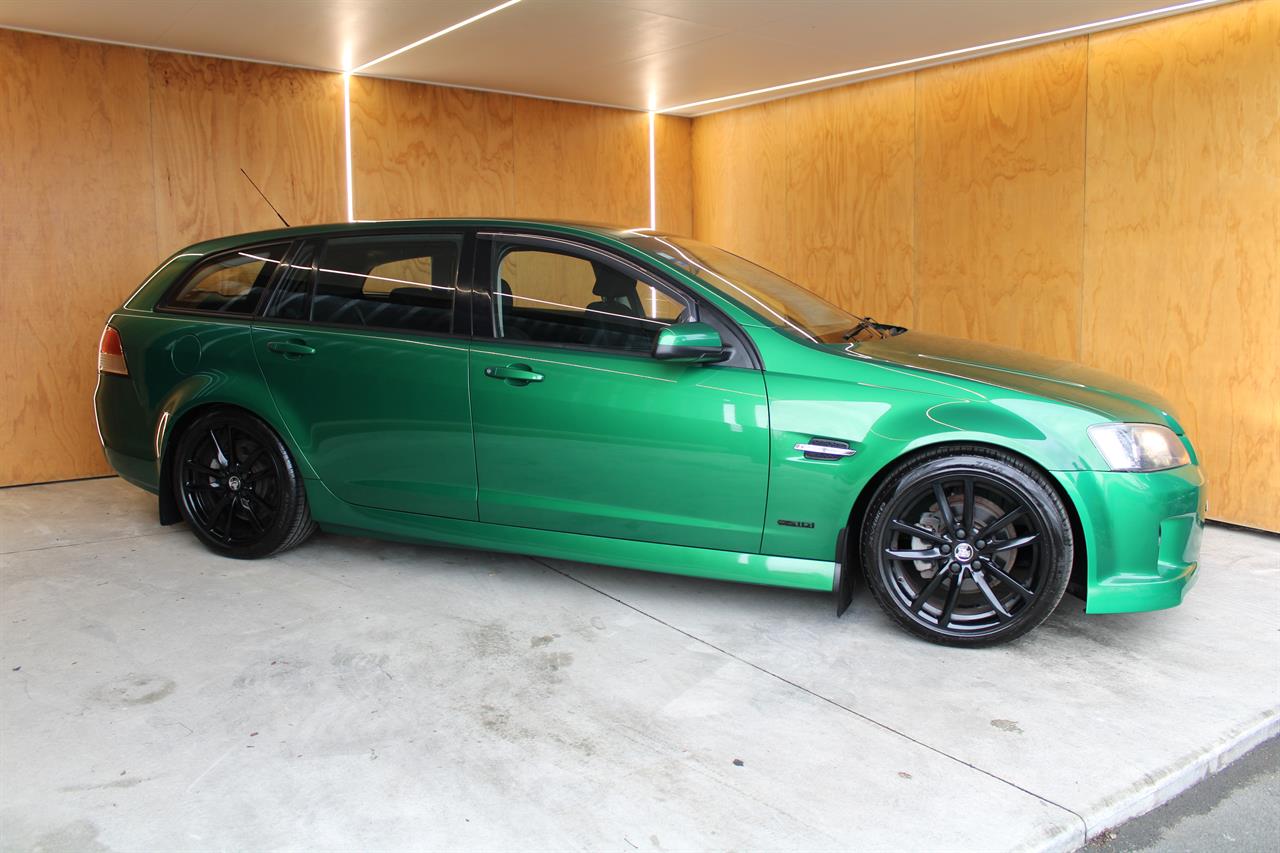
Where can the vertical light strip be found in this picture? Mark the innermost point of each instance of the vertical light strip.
(653, 198)
(346, 122)
(653, 171)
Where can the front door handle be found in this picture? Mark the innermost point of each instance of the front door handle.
(291, 348)
(516, 374)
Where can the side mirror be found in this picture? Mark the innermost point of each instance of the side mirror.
(695, 342)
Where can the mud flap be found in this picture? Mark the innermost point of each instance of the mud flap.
(843, 581)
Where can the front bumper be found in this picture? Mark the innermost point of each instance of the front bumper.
(1142, 536)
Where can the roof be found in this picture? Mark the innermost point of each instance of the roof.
(231, 241)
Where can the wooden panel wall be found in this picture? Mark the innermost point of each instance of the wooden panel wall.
(110, 158)
(431, 151)
(999, 198)
(674, 173)
(1182, 239)
(1113, 199)
(210, 118)
(77, 230)
(575, 161)
(850, 200)
(740, 182)
(839, 166)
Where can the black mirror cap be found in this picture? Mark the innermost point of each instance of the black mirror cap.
(702, 355)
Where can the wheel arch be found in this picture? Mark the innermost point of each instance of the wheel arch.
(1078, 583)
(172, 423)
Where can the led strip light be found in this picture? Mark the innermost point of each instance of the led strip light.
(346, 90)
(935, 58)
(434, 36)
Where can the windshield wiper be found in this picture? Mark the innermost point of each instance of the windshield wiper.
(864, 324)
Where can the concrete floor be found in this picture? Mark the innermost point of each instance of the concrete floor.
(355, 694)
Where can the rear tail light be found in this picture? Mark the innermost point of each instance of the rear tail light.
(111, 354)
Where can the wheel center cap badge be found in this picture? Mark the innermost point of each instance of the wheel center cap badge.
(964, 552)
(233, 483)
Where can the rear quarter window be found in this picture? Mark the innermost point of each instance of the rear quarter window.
(232, 283)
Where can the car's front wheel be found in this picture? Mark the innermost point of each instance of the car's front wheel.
(237, 486)
(967, 546)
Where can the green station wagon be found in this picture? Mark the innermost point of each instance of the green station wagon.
(642, 400)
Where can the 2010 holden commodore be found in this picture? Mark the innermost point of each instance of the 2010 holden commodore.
(637, 399)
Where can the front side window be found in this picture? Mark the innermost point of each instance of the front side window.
(776, 300)
(553, 297)
(231, 283)
(401, 281)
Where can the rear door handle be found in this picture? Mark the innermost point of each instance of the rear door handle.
(516, 374)
(291, 348)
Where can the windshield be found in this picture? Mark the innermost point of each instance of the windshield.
(776, 300)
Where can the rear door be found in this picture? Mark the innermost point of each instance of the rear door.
(579, 429)
(367, 364)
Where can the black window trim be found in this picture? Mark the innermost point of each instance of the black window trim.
(462, 288)
(699, 308)
(162, 305)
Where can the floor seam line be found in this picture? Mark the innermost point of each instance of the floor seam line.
(90, 542)
(1083, 823)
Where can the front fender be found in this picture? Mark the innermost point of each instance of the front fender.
(811, 500)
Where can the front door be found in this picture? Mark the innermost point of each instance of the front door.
(369, 374)
(578, 429)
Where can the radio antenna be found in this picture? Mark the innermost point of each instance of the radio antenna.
(264, 197)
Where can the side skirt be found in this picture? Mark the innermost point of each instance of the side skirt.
(337, 516)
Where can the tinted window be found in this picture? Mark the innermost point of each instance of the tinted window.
(230, 284)
(388, 282)
(776, 300)
(291, 299)
(558, 298)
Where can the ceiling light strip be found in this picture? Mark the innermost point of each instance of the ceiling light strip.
(434, 36)
(952, 54)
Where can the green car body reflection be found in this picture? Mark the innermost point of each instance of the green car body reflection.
(640, 400)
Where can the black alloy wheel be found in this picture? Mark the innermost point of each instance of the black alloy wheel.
(967, 547)
(237, 486)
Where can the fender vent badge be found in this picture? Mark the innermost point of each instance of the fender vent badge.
(825, 448)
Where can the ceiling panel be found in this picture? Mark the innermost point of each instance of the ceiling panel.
(314, 33)
(630, 53)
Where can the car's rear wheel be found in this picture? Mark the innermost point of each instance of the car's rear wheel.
(237, 486)
(967, 546)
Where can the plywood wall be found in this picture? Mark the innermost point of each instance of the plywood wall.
(673, 137)
(575, 161)
(739, 173)
(431, 151)
(850, 204)
(211, 118)
(77, 228)
(1113, 199)
(1181, 284)
(1000, 198)
(112, 157)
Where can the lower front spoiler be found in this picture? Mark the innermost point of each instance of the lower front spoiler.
(1125, 593)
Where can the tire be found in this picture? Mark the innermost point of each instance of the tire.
(999, 580)
(238, 488)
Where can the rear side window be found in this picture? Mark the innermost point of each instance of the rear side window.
(387, 282)
(229, 284)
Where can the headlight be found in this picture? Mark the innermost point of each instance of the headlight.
(1138, 447)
